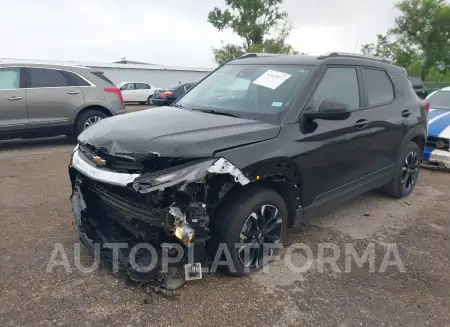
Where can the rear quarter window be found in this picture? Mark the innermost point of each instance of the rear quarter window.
(102, 77)
(378, 86)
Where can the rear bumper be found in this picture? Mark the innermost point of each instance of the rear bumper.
(435, 158)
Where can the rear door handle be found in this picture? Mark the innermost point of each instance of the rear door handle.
(406, 113)
(73, 92)
(362, 123)
(14, 98)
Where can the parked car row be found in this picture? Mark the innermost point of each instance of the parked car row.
(146, 93)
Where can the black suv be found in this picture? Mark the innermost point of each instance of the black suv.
(259, 145)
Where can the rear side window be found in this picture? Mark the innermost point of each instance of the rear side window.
(40, 77)
(142, 86)
(378, 85)
(103, 77)
(338, 84)
(75, 80)
(9, 78)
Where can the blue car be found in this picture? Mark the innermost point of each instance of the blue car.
(437, 153)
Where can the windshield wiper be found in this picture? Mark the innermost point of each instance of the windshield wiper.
(178, 106)
(215, 112)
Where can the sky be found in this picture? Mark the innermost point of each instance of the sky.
(172, 32)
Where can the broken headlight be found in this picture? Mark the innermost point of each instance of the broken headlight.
(186, 173)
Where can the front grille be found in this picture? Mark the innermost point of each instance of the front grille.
(433, 142)
(121, 204)
(114, 163)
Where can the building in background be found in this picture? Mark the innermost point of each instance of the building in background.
(127, 70)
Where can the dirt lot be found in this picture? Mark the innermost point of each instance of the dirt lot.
(36, 213)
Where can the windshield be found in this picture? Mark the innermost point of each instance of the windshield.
(440, 100)
(260, 92)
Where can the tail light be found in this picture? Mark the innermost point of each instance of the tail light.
(166, 94)
(116, 91)
(426, 105)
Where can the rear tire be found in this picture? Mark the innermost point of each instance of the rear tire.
(406, 172)
(88, 118)
(257, 216)
(150, 99)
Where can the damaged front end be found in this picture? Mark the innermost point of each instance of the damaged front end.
(169, 210)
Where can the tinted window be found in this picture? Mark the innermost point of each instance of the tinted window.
(40, 77)
(440, 100)
(338, 84)
(142, 86)
(9, 78)
(378, 86)
(103, 77)
(75, 80)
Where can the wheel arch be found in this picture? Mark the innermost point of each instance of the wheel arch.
(417, 135)
(86, 108)
(281, 175)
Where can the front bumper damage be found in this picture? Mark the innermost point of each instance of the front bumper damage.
(170, 210)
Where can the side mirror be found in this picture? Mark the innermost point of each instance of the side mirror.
(330, 110)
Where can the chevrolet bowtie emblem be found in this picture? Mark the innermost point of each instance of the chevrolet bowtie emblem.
(99, 161)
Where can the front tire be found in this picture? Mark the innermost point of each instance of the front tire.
(87, 119)
(407, 172)
(249, 227)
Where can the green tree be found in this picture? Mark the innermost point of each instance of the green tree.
(385, 47)
(255, 21)
(420, 37)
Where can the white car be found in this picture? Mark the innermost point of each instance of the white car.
(137, 92)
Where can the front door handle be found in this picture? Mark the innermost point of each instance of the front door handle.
(14, 98)
(406, 113)
(73, 92)
(362, 123)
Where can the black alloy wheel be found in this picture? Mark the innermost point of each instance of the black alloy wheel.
(262, 227)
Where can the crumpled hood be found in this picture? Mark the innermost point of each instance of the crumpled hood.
(174, 132)
(439, 123)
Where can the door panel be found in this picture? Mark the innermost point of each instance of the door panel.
(386, 120)
(143, 91)
(129, 92)
(50, 101)
(13, 109)
(53, 106)
(337, 152)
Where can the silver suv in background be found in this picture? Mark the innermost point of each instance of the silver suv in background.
(49, 100)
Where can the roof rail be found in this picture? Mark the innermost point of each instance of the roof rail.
(258, 54)
(353, 55)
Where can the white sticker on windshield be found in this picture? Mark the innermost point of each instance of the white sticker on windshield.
(271, 79)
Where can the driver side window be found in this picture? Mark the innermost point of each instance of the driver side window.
(339, 84)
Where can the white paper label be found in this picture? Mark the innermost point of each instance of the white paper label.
(271, 79)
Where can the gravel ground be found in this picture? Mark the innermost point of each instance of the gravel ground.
(36, 213)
